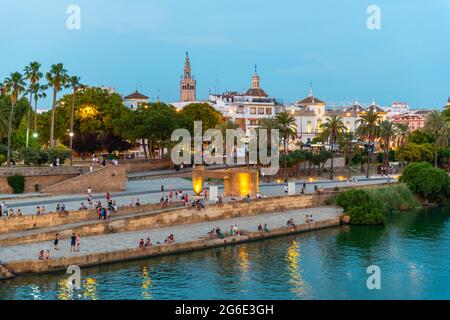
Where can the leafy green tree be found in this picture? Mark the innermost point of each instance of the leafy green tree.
(413, 152)
(203, 112)
(420, 137)
(429, 183)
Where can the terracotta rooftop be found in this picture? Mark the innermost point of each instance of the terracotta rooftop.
(310, 100)
(256, 92)
(136, 95)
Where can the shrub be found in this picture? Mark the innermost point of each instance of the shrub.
(2, 159)
(17, 183)
(390, 198)
(428, 183)
(361, 208)
(351, 198)
(366, 213)
(59, 152)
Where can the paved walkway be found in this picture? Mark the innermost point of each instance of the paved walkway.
(182, 233)
(148, 191)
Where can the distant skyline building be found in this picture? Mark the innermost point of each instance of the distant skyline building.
(188, 85)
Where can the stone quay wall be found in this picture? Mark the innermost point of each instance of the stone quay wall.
(53, 265)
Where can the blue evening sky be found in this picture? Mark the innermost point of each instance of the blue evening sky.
(141, 44)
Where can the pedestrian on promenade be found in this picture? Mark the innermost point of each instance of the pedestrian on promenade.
(148, 242)
(19, 212)
(47, 255)
(307, 218)
(73, 240)
(89, 190)
(41, 255)
(162, 189)
(265, 228)
(38, 210)
(141, 243)
(108, 197)
(78, 242)
(260, 228)
(285, 190)
(4, 209)
(56, 242)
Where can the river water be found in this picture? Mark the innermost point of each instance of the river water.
(412, 252)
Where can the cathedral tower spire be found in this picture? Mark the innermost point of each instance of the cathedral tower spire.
(188, 85)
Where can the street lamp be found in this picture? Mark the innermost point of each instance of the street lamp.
(35, 135)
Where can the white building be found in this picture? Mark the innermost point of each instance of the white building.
(134, 100)
(247, 109)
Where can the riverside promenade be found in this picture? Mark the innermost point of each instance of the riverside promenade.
(149, 191)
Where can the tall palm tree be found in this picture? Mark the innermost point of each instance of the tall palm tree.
(437, 126)
(57, 78)
(348, 144)
(402, 138)
(368, 129)
(3, 121)
(268, 124)
(388, 132)
(75, 84)
(288, 130)
(15, 84)
(33, 75)
(38, 93)
(332, 128)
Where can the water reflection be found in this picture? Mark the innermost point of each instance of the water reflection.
(90, 289)
(146, 284)
(296, 279)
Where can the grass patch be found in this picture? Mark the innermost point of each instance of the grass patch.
(394, 198)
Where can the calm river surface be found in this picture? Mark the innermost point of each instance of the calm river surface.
(413, 252)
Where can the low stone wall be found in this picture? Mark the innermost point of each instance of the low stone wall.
(174, 217)
(32, 222)
(140, 165)
(46, 266)
(109, 178)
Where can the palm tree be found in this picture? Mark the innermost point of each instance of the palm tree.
(402, 138)
(347, 145)
(388, 132)
(332, 128)
(33, 74)
(3, 122)
(38, 93)
(368, 129)
(75, 83)
(57, 78)
(288, 129)
(15, 84)
(268, 124)
(437, 126)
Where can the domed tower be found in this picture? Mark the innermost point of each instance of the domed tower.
(188, 85)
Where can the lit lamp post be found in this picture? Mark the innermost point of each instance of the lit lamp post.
(70, 144)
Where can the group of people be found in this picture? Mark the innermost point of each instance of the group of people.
(146, 243)
(263, 229)
(44, 255)
(9, 213)
(61, 209)
(216, 233)
(234, 231)
(309, 218)
(290, 222)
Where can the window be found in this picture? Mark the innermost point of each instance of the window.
(253, 110)
(308, 127)
(319, 125)
(269, 111)
(260, 110)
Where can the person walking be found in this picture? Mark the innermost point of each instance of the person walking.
(73, 240)
(56, 242)
(78, 242)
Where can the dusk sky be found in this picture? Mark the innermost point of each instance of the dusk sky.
(141, 44)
